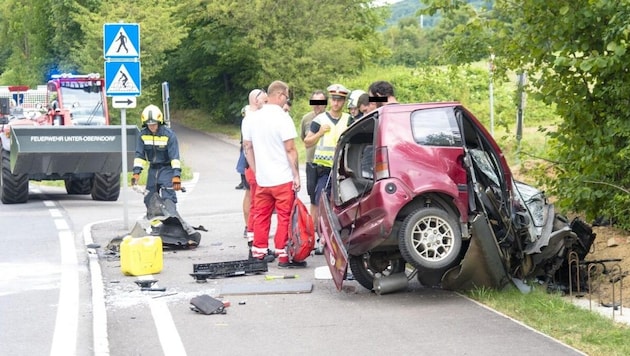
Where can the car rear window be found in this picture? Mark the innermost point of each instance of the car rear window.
(435, 127)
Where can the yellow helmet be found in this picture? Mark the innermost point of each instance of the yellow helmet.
(152, 115)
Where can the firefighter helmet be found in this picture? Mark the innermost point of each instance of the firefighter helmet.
(354, 98)
(152, 115)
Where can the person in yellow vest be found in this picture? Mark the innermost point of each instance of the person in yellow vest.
(324, 133)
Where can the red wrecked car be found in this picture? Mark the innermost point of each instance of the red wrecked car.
(426, 186)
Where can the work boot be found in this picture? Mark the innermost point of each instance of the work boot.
(292, 264)
(265, 258)
(269, 257)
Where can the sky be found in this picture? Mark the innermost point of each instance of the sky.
(384, 2)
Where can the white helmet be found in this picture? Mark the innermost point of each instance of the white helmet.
(152, 115)
(354, 98)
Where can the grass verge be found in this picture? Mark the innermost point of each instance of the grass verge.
(557, 317)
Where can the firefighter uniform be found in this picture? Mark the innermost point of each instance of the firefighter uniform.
(160, 151)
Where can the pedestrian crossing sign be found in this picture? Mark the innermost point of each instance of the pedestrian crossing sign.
(122, 79)
(121, 40)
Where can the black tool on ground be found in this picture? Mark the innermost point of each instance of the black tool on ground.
(203, 271)
(205, 304)
(145, 283)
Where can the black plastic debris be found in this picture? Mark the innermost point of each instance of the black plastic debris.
(205, 304)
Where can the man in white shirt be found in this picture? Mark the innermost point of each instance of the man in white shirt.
(269, 143)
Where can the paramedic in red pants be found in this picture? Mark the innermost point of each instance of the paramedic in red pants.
(257, 98)
(269, 142)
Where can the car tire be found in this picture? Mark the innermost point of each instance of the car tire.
(430, 240)
(365, 267)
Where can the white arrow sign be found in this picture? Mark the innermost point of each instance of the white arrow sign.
(124, 102)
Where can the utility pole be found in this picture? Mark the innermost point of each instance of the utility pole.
(520, 107)
(491, 89)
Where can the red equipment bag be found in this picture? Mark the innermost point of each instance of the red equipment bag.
(301, 232)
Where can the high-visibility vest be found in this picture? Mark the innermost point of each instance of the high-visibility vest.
(325, 149)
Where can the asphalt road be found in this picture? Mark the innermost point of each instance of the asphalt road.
(416, 321)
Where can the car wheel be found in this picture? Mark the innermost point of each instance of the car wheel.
(430, 240)
(366, 267)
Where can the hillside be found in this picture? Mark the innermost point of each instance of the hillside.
(409, 8)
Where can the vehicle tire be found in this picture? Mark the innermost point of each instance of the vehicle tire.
(430, 240)
(106, 186)
(367, 266)
(14, 187)
(78, 186)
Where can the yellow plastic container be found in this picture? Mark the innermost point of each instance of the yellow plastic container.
(141, 255)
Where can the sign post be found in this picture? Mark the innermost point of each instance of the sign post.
(121, 48)
(166, 98)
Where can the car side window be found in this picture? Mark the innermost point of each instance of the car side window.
(367, 162)
(435, 127)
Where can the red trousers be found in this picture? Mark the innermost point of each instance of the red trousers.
(250, 177)
(281, 198)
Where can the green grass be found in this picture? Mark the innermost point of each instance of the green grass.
(199, 120)
(559, 318)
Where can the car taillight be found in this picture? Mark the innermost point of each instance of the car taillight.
(381, 163)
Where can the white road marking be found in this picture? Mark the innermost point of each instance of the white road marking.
(62, 225)
(65, 335)
(167, 332)
(99, 312)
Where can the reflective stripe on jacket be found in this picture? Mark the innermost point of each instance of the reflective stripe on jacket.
(325, 150)
(157, 149)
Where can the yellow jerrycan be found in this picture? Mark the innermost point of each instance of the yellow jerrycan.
(141, 255)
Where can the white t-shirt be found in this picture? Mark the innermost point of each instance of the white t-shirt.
(267, 129)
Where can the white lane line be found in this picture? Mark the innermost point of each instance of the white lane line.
(167, 332)
(99, 311)
(62, 225)
(65, 335)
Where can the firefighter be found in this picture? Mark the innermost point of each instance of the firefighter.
(157, 146)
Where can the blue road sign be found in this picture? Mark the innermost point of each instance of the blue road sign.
(121, 40)
(122, 79)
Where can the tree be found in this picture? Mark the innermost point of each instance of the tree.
(23, 35)
(237, 45)
(160, 32)
(577, 53)
(408, 44)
